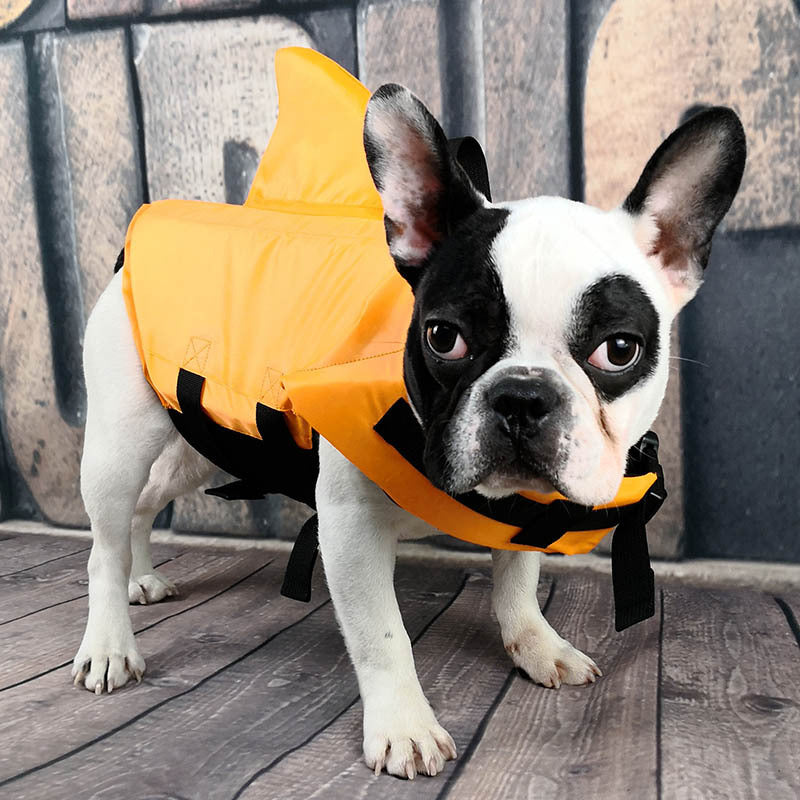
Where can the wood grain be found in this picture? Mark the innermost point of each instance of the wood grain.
(576, 742)
(54, 582)
(525, 83)
(204, 84)
(209, 88)
(461, 665)
(237, 721)
(730, 697)
(652, 61)
(398, 42)
(48, 640)
(19, 552)
(181, 652)
(88, 172)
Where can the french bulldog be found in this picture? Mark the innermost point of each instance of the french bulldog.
(537, 355)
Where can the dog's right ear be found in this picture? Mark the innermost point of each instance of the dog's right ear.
(425, 193)
(684, 192)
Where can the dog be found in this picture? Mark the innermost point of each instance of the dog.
(537, 355)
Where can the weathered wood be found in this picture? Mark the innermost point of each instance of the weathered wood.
(461, 665)
(730, 706)
(226, 77)
(87, 175)
(398, 42)
(34, 645)
(12, 10)
(181, 651)
(54, 582)
(237, 721)
(204, 142)
(22, 551)
(89, 9)
(738, 54)
(525, 80)
(595, 741)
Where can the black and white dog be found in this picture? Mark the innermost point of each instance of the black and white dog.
(536, 357)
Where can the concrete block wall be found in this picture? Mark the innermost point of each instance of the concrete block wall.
(109, 103)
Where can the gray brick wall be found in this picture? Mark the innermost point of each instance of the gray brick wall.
(107, 103)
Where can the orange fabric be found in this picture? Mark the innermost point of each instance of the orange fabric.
(293, 301)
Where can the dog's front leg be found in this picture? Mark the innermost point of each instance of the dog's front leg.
(358, 540)
(528, 638)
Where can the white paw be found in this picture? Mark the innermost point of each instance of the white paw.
(404, 737)
(106, 662)
(550, 660)
(150, 588)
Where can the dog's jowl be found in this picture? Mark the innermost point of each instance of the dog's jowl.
(527, 341)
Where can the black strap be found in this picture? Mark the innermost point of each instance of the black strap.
(631, 573)
(469, 154)
(297, 578)
(541, 524)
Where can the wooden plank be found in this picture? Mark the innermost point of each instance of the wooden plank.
(461, 665)
(45, 719)
(398, 42)
(730, 697)
(525, 80)
(752, 49)
(45, 641)
(87, 180)
(226, 77)
(55, 582)
(22, 551)
(576, 742)
(208, 741)
(204, 142)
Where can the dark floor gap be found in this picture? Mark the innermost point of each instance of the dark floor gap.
(465, 757)
(71, 599)
(49, 561)
(790, 618)
(330, 722)
(155, 707)
(138, 631)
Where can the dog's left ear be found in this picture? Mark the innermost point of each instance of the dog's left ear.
(685, 190)
(425, 192)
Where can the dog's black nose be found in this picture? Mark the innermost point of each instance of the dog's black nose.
(521, 402)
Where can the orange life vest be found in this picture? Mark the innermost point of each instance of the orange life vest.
(291, 303)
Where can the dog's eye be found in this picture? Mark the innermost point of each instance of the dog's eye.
(616, 353)
(446, 342)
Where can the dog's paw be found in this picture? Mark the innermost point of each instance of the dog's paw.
(150, 588)
(405, 738)
(550, 660)
(107, 663)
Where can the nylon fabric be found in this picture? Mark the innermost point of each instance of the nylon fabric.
(293, 301)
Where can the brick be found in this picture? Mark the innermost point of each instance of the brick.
(92, 9)
(204, 84)
(163, 7)
(333, 32)
(742, 391)
(42, 448)
(12, 10)
(204, 141)
(652, 61)
(89, 186)
(31, 15)
(88, 99)
(398, 42)
(525, 80)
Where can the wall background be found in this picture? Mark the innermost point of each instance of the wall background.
(105, 104)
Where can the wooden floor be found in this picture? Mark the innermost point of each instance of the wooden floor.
(248, 694)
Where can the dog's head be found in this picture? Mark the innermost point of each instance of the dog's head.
(538, 349)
